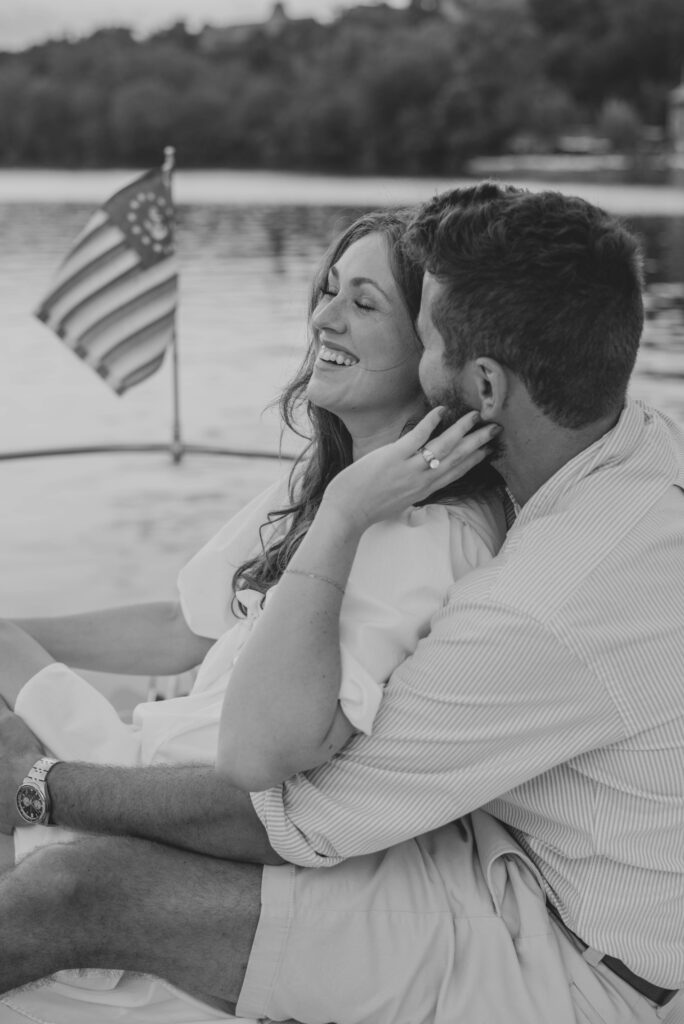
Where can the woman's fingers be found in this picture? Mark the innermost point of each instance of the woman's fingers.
(414, 439)
(459, 440)
(455, 443)
(442, 463)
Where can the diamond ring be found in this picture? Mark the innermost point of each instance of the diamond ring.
(430, 459)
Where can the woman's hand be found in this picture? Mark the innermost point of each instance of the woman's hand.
(390, 479)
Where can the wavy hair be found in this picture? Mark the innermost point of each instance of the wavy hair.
(329, 447)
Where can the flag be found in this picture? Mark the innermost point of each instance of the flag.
(113, 301)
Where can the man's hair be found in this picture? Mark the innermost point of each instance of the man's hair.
(546, 284)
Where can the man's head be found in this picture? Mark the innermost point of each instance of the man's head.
(545, 286)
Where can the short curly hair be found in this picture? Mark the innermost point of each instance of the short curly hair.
(546, 284)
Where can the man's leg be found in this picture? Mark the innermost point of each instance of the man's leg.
(132, 905)
(6, 853)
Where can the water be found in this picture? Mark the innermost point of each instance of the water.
(86, 531)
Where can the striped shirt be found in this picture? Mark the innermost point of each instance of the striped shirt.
(550, 692)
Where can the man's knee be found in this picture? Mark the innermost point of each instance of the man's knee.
(52, 874)
(74, 880)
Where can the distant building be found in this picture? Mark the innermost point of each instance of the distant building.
(370, 14)
(215, 39)
(457, 11)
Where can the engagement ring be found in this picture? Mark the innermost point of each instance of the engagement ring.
(430, 461)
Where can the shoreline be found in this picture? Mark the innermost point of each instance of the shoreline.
(283, 188)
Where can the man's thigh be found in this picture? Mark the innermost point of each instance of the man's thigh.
(6, 853)
(140, 906)
(409, 936)
(450, 928)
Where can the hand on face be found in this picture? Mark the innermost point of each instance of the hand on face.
(392, 478)
(19, 751)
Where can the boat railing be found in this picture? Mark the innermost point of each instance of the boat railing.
(158, 687)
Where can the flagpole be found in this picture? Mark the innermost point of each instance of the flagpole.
(176, 447)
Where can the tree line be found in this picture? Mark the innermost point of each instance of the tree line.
(382, 90)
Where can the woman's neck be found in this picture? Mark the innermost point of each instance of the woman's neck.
(367, 439)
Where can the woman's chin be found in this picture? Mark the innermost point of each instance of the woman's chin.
(318, 397)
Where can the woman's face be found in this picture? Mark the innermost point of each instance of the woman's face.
(366, 369)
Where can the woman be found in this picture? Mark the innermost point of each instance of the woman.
(359, 385)
(359, 382)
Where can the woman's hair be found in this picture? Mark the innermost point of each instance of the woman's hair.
(329, 448)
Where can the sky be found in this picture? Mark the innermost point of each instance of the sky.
(23, 22)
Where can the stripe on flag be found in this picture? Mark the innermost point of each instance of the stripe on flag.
(142, 351)
(103, 337)
(113, 300)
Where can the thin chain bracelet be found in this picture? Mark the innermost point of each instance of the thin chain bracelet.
(316, 576)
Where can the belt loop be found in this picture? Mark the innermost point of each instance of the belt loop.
(592, 956)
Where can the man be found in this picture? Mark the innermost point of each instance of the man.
(547, 697)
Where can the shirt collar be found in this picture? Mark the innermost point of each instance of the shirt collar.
(645, 439)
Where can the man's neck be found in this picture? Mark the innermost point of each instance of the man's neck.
(532, 456)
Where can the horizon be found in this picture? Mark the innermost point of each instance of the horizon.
(27, 23)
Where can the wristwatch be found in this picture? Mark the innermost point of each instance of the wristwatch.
(33, 799)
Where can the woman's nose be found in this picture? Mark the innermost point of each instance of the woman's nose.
(328, 315)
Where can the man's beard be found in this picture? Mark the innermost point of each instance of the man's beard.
(455, 406)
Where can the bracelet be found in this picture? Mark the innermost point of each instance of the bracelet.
(316, 576)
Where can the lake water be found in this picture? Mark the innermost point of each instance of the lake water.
(83, 531)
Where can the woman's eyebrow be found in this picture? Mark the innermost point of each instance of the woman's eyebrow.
(355, 281)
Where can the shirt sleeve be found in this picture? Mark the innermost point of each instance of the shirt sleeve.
(204, 583)
(399, 579)
(490, 699)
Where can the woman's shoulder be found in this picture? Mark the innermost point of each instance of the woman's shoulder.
(204, 583)
(435, 542)
(483, 516)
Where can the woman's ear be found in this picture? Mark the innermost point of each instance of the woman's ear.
(491, 383)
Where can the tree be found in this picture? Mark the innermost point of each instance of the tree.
(141, 117)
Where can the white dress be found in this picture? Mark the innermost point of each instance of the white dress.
(399, 579)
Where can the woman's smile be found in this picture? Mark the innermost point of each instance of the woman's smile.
(361, 321)
(335, 355)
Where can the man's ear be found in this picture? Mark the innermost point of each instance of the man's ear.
(491, 384)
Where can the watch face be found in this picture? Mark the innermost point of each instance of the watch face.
(31, 803)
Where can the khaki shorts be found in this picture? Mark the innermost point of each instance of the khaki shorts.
(448, 928)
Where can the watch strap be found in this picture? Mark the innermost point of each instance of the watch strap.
(40, 770)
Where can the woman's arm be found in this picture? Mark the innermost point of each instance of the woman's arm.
(281, 712)
(163, 638)
(143, 639)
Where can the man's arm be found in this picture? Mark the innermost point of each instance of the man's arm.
(143, 639)
(187, 806)
(280, 713)
(490, 699)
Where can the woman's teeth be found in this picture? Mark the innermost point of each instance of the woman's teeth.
(329, 355)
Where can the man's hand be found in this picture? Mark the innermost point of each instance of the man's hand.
(19, 751)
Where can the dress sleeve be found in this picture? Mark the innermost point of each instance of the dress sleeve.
(204, 582)
(399, 579)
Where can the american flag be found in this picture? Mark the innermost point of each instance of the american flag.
(114, 298)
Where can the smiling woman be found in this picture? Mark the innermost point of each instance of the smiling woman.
(360, 388)
(369, 569)
(366, 371)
